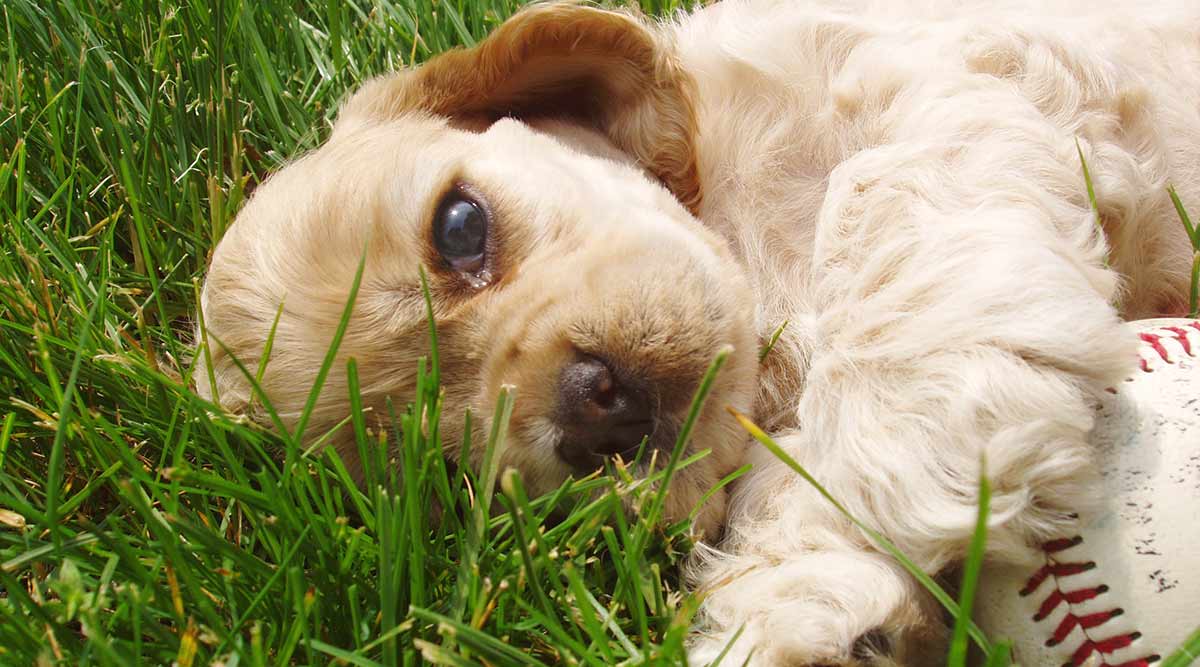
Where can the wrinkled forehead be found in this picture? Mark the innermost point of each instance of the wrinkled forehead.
(373, 185)
(401, 161)
(342, 190)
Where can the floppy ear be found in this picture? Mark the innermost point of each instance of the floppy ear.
(598, 67)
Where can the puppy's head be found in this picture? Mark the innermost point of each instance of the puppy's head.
(545, 179)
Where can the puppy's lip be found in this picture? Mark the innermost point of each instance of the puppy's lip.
(580, 463)
(661, 442)
(585, 462)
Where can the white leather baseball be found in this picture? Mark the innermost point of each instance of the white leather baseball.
(1124, 591)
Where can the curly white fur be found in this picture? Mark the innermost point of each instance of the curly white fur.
(960, 300)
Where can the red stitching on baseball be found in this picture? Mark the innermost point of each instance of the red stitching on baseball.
(1059, 572)
(1181, 336)
(1087, 622)
(1054, 546)
(1057, 597)
(1052, 569)
(1154, 340)
(1104, 646)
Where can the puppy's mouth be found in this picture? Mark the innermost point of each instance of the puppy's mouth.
(585, 457)
(603, 414)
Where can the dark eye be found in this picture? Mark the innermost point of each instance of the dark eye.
(460, 232)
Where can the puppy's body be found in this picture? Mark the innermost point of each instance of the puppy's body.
(787, 93)
(900, 182)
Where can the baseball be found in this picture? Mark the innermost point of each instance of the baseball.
(1124, 590)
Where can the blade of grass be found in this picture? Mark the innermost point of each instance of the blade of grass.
(481, 642)
(280, 571)
(685, 432)
(55, 469)
(762, 354)
(1091, 190)
(349, 657)
(1001, 654)
(330, 355)
(1187, 653)
(477, 524)
(1193, 233)
(971, 569)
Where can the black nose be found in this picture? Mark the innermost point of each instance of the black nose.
(600, 416)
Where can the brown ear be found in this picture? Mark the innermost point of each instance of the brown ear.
(600, 67)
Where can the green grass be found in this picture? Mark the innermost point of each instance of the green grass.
(138, 524)
(1193, 234)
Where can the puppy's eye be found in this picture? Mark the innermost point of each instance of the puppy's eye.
(460, 231)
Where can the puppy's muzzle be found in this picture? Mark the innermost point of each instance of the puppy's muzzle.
(600, 414)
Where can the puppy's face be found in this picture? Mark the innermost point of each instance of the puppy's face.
(557, 262)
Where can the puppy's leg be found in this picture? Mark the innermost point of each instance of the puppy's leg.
(830, 600)
(952, 323)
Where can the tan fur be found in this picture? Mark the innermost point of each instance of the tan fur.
(556, 291)
(603, 68)
(898, 181)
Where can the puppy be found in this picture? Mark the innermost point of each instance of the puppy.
(603, 204)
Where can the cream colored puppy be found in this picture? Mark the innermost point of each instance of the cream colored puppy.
(604, 203)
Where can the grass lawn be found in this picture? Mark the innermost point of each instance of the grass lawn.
(138, 524)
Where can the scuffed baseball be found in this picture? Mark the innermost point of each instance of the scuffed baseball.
(1124, 590)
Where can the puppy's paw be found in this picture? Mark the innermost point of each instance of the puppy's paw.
(818, 610)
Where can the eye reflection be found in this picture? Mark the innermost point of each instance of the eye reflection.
(460, 232)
